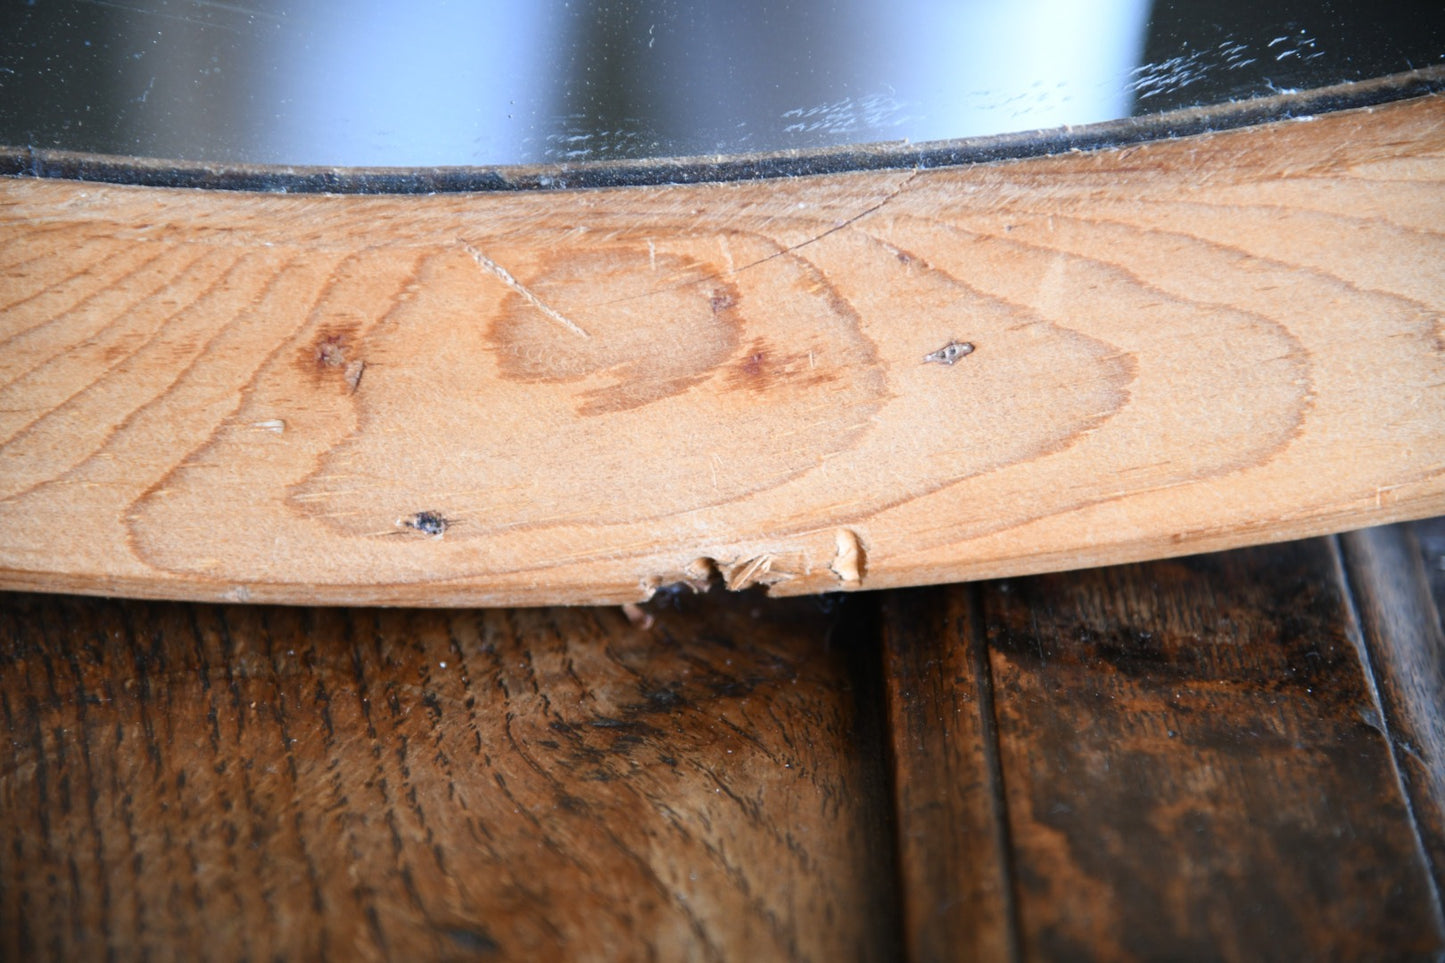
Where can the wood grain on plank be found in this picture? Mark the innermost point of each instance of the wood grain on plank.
(1406, 649)
(1178, 346)
(953, 841)
(1429, 537)
(189, 782)
(1193, 765)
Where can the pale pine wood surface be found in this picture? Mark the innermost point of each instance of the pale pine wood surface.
(580, 396)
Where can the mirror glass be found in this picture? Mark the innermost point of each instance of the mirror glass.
(449, 82)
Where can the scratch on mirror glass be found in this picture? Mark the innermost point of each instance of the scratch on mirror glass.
(1185, 70)
(250, 13)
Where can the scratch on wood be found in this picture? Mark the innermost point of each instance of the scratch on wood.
(841, 225)
(873, 209)
(847, 561)
(505, 276)
(749, 572)
(727, 253)
(697, 575)
(353, 374)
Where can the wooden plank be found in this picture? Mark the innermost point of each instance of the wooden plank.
(187, 782)
(1191, 761)
(1429, 535)
(1406, 648)
(953, 851)
(582, 395)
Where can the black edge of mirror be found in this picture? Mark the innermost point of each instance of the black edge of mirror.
(151, 172)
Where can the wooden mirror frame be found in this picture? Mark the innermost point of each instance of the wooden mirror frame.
(853, 369)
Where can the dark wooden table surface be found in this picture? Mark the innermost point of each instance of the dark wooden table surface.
(1234, 756)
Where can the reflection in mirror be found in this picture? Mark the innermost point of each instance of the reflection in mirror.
(522, 81)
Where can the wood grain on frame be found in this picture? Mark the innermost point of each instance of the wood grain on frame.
(1178, 346)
